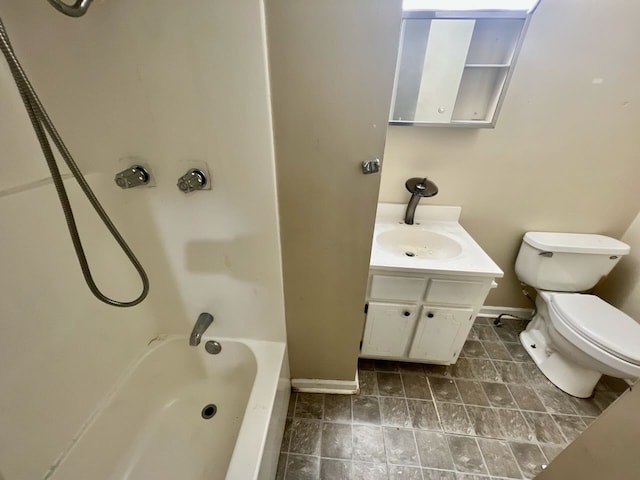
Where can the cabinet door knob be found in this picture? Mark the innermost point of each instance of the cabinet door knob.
(430, 315)
(406, 313)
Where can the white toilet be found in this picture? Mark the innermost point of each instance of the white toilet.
(575, 338)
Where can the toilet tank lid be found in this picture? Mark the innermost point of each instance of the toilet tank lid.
(576, 243)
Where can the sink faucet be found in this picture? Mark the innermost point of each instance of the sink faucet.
(203, 322)
(418, 187)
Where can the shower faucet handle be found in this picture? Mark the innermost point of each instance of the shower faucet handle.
(194, 179)
(134, 176)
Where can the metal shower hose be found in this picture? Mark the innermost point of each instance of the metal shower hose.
(41, 122)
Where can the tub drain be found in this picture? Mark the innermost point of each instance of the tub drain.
(209, 411)
(410, 254)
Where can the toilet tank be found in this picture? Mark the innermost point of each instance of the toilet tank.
(567, 262)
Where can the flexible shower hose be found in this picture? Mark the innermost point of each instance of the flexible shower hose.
(41, 122)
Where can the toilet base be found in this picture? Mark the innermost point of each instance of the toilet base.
(568, 376)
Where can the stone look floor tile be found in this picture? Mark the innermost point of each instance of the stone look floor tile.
(462, 368)
(416, 385)
(498, 395)
(484, 370)
(337, 408)
(544, 428)
(437, 370)
(368, 444)
(302, 467)
(430, 474)
(485, 421)
(368, 471)
(492, 411)
(507, 334)
(368, 383)
(514, 426)
(433, 450)
(366, 364)
(466, 454)
(444, 389)
(472, 393)
(394, 412)
(511, 372)
(551, 451)
(335, 469)
(305, 436)
(526, 398)
(336, 441)
(518, 353)
(309, 405)
(570, 426)
(486, 332)
(401, 472)
(497, 351)
(423, 414)
(498, 458)
(473, 349)
(529, 458)
(406, 367)
(453, 417)
(586, 406)
(386, 366)
(366, 410)
(556, 401)
(400, 446)
(390, 384)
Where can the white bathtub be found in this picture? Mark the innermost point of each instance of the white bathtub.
(151, 425)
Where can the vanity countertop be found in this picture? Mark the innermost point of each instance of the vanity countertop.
(443, 221)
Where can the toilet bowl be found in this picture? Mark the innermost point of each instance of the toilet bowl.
(575, 338)
(573, 347)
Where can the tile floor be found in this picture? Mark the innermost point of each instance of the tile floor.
(491, 415)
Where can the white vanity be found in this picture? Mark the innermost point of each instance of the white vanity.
(427, 283)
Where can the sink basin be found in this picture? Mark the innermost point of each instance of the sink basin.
(418, 243)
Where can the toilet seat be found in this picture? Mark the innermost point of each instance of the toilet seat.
(597, 323)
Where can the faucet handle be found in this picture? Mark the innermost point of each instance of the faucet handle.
(194, 179)
(133, 176)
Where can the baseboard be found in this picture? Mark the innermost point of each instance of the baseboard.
(493, 312)
(315, 385)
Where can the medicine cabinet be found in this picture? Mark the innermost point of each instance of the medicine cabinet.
(454, 65)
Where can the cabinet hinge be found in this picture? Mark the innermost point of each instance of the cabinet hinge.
(366, 308)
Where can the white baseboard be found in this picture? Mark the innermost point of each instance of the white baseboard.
(315, 385)
(493, 312)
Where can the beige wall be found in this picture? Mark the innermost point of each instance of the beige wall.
(622, 288)
(332, 65)
(564, 155)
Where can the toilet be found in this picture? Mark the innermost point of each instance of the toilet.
(574, 338)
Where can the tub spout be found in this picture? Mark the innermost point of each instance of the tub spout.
(203, 322)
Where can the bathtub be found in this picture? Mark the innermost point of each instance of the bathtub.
(159, 421)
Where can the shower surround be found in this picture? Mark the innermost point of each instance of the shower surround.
(168, 86)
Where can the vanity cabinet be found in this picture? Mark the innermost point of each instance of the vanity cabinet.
(420, 317)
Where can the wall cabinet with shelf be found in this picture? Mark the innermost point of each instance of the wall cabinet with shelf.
(420, 317)
(453, 67)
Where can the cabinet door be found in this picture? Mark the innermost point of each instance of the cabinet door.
(440, 334)
(388, 329)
